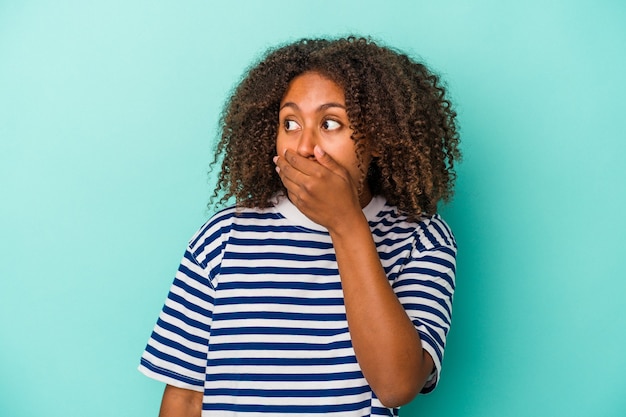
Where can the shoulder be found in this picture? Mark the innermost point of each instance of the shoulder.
(428, 232)
(212, 236)
(433, 233)
(228, 218)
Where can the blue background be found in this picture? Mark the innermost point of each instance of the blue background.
(108, 114)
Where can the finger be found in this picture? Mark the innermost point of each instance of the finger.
(326, 160)
(290, 177)
(307, 166)
(284, 169)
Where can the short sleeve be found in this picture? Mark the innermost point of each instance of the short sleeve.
(176, 352)
(425, 288)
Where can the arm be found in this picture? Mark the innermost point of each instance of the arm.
(180, 402)
(386, 344)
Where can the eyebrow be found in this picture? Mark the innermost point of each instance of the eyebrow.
(320, 108)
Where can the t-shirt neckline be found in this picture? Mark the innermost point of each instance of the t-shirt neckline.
(288, 210)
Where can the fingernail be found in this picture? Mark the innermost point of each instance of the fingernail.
(277, 169)
(319, 150)
(275, 159)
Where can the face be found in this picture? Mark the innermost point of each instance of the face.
(313, 112)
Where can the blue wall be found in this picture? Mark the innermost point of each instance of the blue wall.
(108, 112)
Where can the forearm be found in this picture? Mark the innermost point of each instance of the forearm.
(179, 402)
(385, 341)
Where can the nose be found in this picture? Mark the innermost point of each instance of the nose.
(306, 143)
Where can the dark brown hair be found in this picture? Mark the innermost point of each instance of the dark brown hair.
(392, 101)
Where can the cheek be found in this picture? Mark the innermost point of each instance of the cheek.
(344, 153)
(284, 142)
(346, 157)
(280, 144)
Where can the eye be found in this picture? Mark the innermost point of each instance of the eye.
(330, 124)
(290, 125)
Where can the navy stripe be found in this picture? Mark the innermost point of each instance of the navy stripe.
(444, 226)
(429, 235)
(427, 309)
(290, 393)
(206, 327)
(184, 269)
(203, 240)
(437, 261)
(408, 282)
(418, 243)
(379, 411)
(289, 285)
(434, 338)
(281, 300)
(266, 228)
(389, 218)
(422, 294)
(282, 331)
(435, 324)
(174, 360)
(428, 389)
(431, 342)
(166, 372)
(394, 268)
(220, 216)
(396, 230)
(215, 253)
(342, 360)
(385, 254)
(180, 332)
(255, 215)
(192, 290)
(262, 270)
(430, 326)
(447, 250)
(188, 305)
(280, 256)
(286, 409)
(291, 243)
(175, 345)
(431, 273)
(344, 344)
(215, 237)
(278, 315)
(395, 239)
(437, 226)
(263, 377)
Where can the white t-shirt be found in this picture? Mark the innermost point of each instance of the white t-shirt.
(256, 320)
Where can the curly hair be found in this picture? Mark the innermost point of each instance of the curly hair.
(392, 101)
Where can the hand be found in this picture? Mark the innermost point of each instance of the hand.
(320, 188)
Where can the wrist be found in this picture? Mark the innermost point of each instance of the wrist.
(349, 227)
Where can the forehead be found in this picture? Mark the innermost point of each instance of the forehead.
(313, 87)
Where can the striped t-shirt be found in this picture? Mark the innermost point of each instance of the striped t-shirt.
(255, 317)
